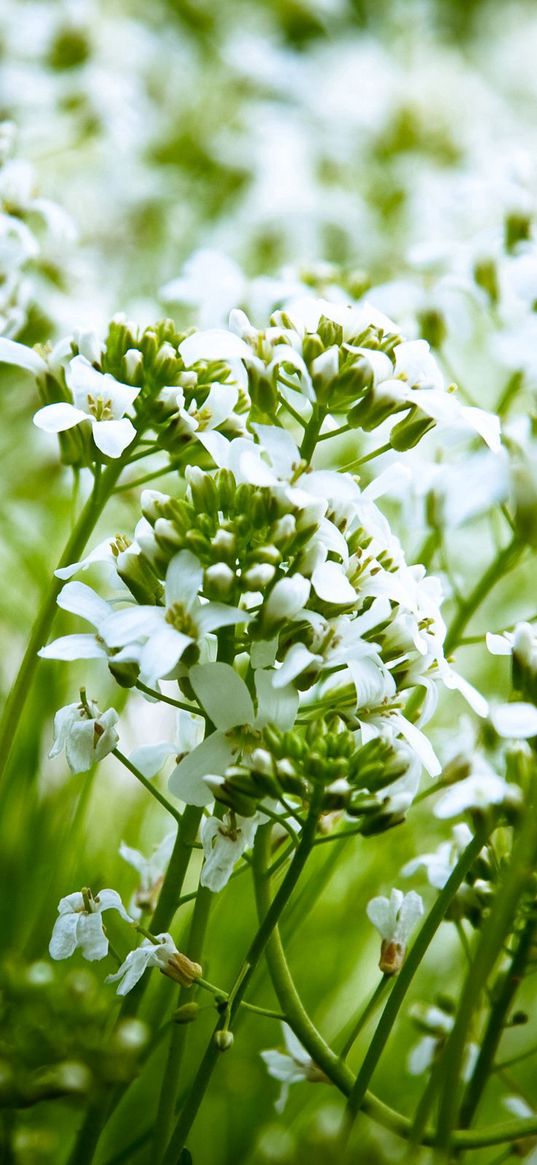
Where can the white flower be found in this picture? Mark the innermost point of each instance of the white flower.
(439, 1024)
(167, 631)
(516, 721)
(151, 871)
(80, 924)
(291, 1067)
(86, 734)
(441, 862)
(224, 842)
(479, 791)
(79, 599)
(395, 918)
(99, 398)
(161, 953)
(225, 698)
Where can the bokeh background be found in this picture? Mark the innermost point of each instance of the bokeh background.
(181, 158)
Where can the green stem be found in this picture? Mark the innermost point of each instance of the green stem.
(162, 800)
(504, 994)
(504, 561)
(238, 990)
(406, 975)
(311, 434)
(169, 894)
(495, 930)
(74, 547)
(365, 1014)
(179, 1035)
(169, 700)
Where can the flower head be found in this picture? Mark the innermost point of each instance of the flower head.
(80, 924)
(395, 918)
(86, 734)
(98, 398)
(291, 1067)
(160, 952)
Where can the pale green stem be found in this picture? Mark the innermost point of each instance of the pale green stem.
(504, 561)
(162, 800)
(495, 930)
(242, 981)
(74, 548)
(404, 979)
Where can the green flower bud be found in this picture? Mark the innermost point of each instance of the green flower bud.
(188, 1013)
(223, 1040)
(407, 433)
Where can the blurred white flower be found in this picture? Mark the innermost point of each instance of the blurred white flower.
(291, 1067)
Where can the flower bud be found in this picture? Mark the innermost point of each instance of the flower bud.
(186, 1014)
(219, 580)
(223, 1040)
(287, 598)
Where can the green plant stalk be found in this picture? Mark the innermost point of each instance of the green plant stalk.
(406, 975)
(495, 930)
(335, 1070)
(255, 951)
(504, 995)
(504, 561)
(162, 800)
(169, 894)
(102, 1108)
(179, 1034)
(73, 549)
(365, 1014)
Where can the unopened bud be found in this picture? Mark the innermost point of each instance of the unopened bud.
(180, 968)
(186, 1014)
(223, 1040)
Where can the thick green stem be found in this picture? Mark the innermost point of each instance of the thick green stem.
(255, 951)
(495, 930)
(74, 547)
(179, 1034)
(505, 560)
(406, 975)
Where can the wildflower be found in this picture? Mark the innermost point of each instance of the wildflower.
(395, 918)
(80, 924)
(97, 397)
(225, 698)
(291, 1067)
(478, 791)
(86, 734)
(167, 631)
(151, 871)
(440, 864)
(224, 842)
(161, 953)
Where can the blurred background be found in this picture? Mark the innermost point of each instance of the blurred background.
(181, 158)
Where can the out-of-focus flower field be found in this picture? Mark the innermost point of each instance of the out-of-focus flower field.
(178, 160)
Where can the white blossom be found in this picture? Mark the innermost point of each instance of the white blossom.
(80, 924)
(161, 953)
(166, 632)
(291, 1067)
(86, 734)
(98, 398)
(224, 841)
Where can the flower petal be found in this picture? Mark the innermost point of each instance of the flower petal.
(56, 418)
(516, 721)
(112, 437)
(210, 758)
(184, 578)
(223, 694)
